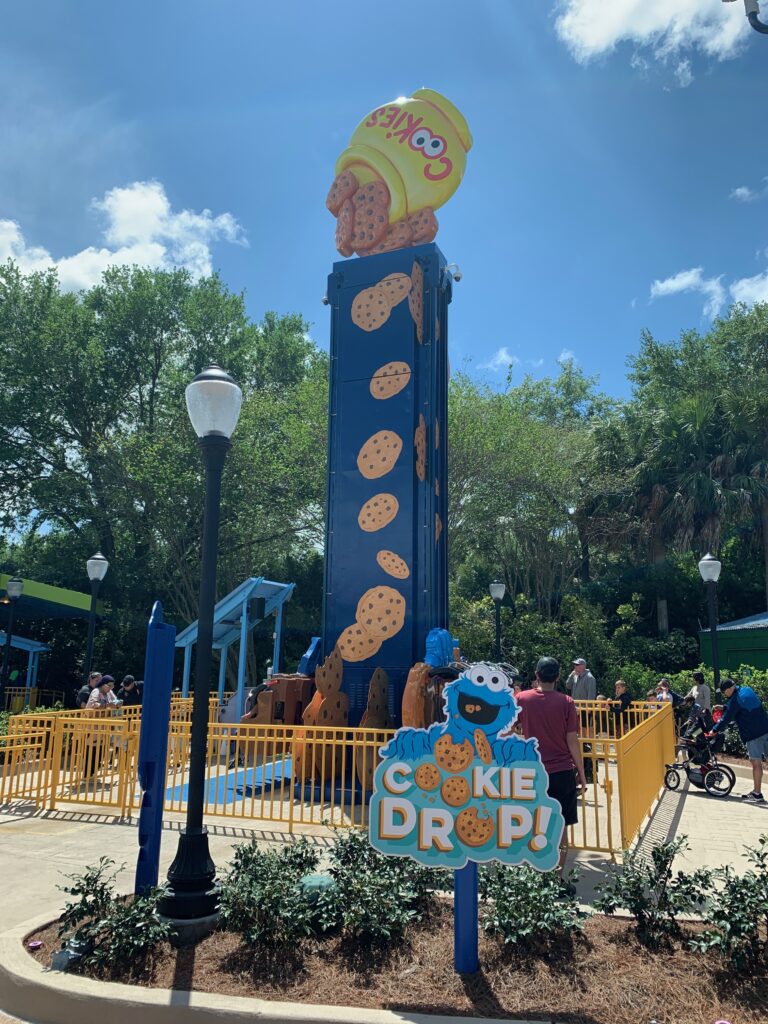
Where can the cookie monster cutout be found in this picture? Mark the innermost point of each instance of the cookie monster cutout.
(466, 789)
(481, 699)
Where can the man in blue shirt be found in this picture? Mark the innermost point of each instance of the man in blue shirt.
(745, 711)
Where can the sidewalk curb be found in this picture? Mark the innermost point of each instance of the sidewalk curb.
(34, 993)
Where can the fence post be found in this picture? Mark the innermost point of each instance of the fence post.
(153, 745)
(58, 729)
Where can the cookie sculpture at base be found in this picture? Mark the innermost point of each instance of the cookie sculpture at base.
(404, 161)
(466, 788)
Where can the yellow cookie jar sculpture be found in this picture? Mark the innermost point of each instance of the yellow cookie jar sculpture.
(404, 161)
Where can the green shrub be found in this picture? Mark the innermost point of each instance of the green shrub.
(525, 907)
(654, 895)
(262, 898)
(116, 936)
(737, 913)
(375, 897)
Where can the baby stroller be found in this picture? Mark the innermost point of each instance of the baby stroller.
(700, 762)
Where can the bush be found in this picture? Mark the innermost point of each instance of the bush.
(737, 913)
(375, 897)
(653, 894)
(262, 898)
(526, 907)
(114, 935)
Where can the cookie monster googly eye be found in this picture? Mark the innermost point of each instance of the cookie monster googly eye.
(490, 676)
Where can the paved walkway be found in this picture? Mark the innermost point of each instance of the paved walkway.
(38, 847)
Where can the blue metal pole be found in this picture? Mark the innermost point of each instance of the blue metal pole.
(222, 671)
(465, 956)
(153, 745)
(28, 683)
(243, 654)
(187, 667)
(277, 650)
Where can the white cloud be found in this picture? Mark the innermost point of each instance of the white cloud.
(139, 227)
(592, 28)
(567, 356)
(751, 289)
(745, 194)
(535, 363)
(693, 280)
(683, 74)
(501, 360)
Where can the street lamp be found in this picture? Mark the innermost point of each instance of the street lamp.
(213, 404)
(710, 567)
(97, 566)
(498, 589)
(14, 589)
(752, 9)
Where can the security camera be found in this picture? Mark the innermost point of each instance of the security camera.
(325, 300)
(453, 268)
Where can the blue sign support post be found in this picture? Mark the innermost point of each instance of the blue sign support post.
(465, 955)
(153, 745)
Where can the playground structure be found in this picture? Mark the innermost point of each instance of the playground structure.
(235, 616)
(27, 696)
(39, 601)
(75, 761)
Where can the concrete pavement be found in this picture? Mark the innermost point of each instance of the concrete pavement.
(37, 848)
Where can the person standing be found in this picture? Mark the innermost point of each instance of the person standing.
(699, 692)
(745, 710)
(98, 705)
(129, 693)
(581, 684)
(551, 718)
(85, 691)
(620, 706)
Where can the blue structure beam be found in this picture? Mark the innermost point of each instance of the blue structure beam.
(242, 659)
(233, 621)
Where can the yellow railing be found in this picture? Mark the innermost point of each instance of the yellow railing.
(641, 756)
(16, 698)
(297, 775)
(23, 766)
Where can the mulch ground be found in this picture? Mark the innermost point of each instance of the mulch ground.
(600, 977)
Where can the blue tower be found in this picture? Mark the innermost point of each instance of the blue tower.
(386, 581)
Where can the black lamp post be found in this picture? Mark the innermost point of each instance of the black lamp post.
(710, 567)
(14, 589)
(213, 404)
(97, 566)
(752, 8)
(497, 589)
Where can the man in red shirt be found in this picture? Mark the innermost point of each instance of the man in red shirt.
(553, 720)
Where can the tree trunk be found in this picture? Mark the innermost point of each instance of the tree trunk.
(764, 523)
(662, 609)
(585, 570)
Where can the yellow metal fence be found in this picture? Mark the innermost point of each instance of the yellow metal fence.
(16, 698)
(297, 775)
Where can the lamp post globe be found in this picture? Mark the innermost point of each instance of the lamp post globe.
(96, 567)
(14, 588)
(709, 569)
(497, 590)
(192, 894)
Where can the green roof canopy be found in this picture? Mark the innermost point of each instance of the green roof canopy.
(42, 601)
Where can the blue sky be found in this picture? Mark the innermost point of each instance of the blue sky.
(610, 138)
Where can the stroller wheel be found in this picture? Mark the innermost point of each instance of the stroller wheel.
(719, 781)
(672, 778)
